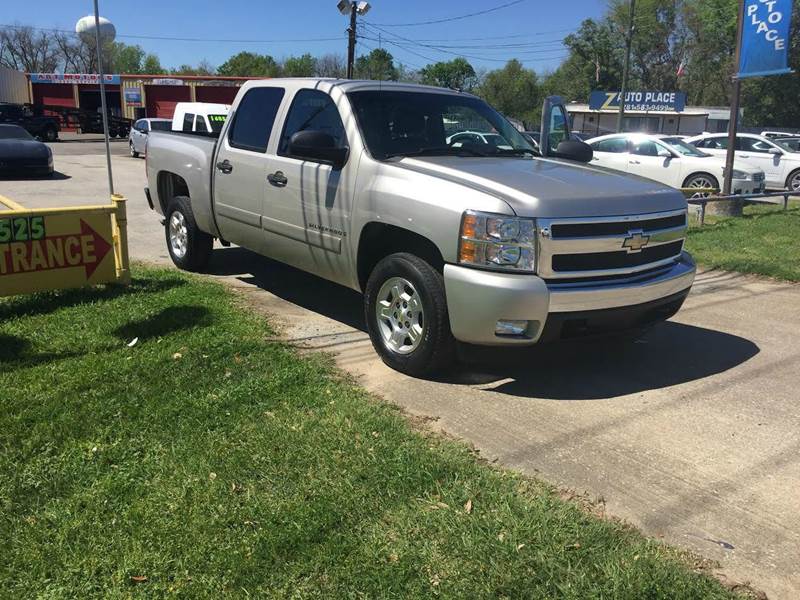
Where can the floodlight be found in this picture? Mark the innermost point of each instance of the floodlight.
(345, 7)
(362, 8)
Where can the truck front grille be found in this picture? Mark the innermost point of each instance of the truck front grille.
(608, 247)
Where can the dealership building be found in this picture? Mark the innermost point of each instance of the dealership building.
(130, 96)
(647, 112)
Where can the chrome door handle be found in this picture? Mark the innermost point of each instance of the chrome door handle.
(225, 166)
(278, 179)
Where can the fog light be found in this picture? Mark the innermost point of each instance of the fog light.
(510, 327)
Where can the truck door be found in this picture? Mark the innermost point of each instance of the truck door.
(240, 167)
(307, 210)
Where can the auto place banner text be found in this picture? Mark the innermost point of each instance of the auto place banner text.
(765, 38)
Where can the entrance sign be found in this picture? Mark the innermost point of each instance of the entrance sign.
(47, 249)
(765, 38)
(639, 101)
(133, 96)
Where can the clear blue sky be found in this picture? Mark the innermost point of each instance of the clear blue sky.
(530, 30)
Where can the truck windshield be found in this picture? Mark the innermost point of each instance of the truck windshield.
(396, 123)
(216, 122)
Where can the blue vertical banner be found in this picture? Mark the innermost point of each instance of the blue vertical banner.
(765, 38)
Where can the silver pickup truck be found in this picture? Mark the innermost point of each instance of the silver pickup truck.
(434, 206)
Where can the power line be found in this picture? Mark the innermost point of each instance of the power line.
(458, 18)
(182, 39)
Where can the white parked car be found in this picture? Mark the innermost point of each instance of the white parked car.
(137, 138)
(201, 117)
(781, 166)
(670, 160)
(478, 137)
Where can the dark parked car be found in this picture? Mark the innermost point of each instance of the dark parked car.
(44, 128)
(20, 154)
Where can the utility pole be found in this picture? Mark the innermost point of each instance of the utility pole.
(734, 120)
(351, 41)
(353, 8)
(626, 68)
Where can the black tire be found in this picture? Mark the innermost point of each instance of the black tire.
(436, 348)
(134, 153)
(792, 175)
(198, 244)
(50, 134)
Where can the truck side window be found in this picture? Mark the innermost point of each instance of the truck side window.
(188, 120)
(312, 110)
(254, 117)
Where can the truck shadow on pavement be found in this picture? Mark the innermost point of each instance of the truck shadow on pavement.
(670, 354)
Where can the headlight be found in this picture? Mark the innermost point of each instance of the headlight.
(497, 242)
(737, 174)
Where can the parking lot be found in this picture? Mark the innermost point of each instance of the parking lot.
(690, 434)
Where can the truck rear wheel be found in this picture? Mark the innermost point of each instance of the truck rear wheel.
(406, 313)
(189, 247)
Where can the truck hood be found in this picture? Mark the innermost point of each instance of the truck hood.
(550, 188)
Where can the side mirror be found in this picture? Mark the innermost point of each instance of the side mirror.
(319, 147)
(664, 153)
(574, 150)
(775, 151)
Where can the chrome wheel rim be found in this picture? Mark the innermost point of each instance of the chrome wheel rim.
(701, 182)
(795, 183)
(178, 234)
(400, 316)
(131, 147)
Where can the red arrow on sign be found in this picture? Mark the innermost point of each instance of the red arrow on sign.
(87, 248)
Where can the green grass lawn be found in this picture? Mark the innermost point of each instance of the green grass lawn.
(766, 241)
(209, 461)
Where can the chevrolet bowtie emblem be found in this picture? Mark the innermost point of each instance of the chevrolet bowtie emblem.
(635, 241)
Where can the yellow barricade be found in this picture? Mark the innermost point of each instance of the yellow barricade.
(54, 248)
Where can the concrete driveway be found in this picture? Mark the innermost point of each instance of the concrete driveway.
(692, 434)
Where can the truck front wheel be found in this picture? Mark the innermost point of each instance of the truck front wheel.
(406, 313)
(189, 247)
(50, 134)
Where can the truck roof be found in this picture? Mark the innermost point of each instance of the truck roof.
(348, 85)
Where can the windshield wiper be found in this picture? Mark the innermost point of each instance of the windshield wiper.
(439, 151)
(516, 152)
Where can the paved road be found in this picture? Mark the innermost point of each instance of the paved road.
(691, 434)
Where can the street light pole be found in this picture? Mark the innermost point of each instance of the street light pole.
(351, 40)
(626, 67)
(102, 94)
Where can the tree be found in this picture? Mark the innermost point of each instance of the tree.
(124, 58)
(203, 68)
(514, 91)
(249, 64)
(299, 66)
(25, 49)
(378, 65)
(456, 74)
(330, 65)
(152, 65)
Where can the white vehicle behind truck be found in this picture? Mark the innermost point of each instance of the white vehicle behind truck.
(200, 117)
(488, 244)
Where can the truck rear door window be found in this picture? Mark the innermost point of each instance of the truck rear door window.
(254, 118)
(188, 120)
(200, 124)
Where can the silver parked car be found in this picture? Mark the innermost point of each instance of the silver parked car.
(137, 138)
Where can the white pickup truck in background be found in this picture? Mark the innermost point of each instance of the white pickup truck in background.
(199, 117)
(478, 241)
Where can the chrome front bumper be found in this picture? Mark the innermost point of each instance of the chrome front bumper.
(477, 299)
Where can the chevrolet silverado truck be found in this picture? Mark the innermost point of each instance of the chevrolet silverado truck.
(476, 242)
